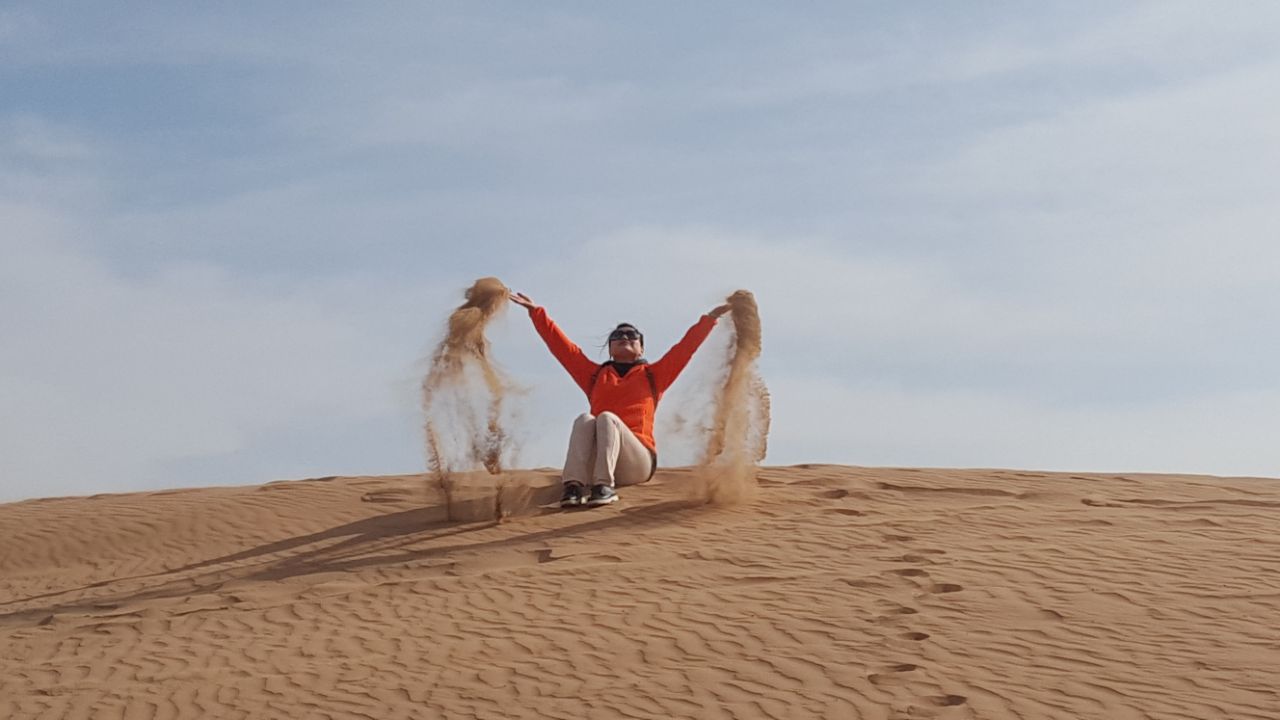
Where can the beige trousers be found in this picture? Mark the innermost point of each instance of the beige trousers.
(604, 450)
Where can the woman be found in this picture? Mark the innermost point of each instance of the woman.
(613, 445)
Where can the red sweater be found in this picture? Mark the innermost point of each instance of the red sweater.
(629, 397)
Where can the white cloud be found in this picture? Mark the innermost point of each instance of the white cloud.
(818, 419)
(1177, 35)
(1146, 216)
(109, 381)
(819, 299)
(1040, 239)
(1206, 141)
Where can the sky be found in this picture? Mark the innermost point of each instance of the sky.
(1041, 236)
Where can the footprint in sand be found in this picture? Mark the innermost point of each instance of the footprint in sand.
(894, 612)
(937, 588)
(892, 674)
(919, 556)
(863, 583)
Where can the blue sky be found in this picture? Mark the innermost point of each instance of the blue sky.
(991, 235)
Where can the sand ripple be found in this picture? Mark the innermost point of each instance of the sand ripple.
(838, 593)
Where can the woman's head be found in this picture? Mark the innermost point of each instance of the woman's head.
(626, 343)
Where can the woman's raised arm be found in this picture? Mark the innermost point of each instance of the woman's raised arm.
(580, 367)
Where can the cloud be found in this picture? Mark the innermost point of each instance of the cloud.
(111, 381)
(930, 330)
(1204, 139)
(231, 243)
(828, 419)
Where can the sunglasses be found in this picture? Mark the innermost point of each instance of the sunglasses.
(624, 335)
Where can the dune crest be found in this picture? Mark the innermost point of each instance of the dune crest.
(840, 592)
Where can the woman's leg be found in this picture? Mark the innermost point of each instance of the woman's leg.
(621, 459)
(581, 459)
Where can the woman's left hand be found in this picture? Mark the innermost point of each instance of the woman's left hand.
(721, 310)
(522, 300)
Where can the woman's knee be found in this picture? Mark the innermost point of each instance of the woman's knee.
(609, 424)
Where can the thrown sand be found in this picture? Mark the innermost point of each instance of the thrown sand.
(840, 593)
(463, 393)
(738, 436)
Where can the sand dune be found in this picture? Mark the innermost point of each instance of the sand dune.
(839, 592)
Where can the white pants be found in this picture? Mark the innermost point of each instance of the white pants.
(604, 450)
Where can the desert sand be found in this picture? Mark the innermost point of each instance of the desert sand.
(837, 592)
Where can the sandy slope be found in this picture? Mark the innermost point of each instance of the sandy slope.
(841, 592)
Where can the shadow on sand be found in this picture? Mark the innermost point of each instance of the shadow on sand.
(391, 539)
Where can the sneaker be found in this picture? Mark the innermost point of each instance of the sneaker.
(601, 494)
(572, 496)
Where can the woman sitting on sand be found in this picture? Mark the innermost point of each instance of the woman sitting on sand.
(613, 444)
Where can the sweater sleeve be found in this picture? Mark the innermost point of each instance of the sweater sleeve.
(669, 367)
(571, 357)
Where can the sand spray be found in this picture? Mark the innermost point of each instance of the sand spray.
(463, 394)
(738, 435)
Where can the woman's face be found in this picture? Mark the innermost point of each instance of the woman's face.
(624, 345)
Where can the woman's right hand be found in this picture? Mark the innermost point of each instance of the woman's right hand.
(523, 300)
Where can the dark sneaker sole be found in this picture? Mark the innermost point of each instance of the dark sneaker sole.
(597, 502)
